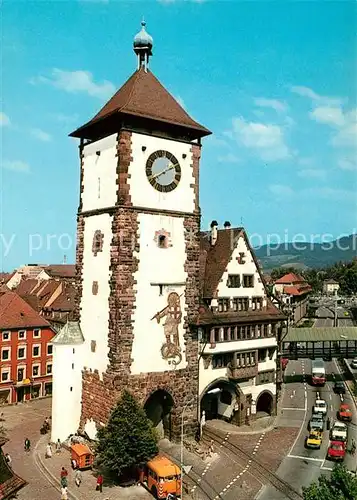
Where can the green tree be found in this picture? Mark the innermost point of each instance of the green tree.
(128, 440)
(341, 486)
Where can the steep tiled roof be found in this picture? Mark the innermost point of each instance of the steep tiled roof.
(15, 312)
(27, 286)
(331, 282)
(61, 270)
(65, 301)
(46, 291)
(297, 290)
(214, 258)
(142, 95)
(289, 278)
(4, 277)
(70, 333)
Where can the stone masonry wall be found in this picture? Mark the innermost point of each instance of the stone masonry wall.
(79, 266)
(99, 396)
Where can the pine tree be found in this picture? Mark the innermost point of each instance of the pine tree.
(128, 440)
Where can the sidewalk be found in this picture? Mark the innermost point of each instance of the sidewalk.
(51, 467)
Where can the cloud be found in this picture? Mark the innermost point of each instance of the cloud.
(347, 135)
(281, 191)
(311, 94)
(265, 140)
(62, 118)
(312, 173)
(16, 166)
(331, 194)
(41, 135)
(306, 161)
(4, 120)
(229, 158)
(348, 164)
(329, 115)
(278, 106)
(75, 82)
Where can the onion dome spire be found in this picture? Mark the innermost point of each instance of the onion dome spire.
(143, 43)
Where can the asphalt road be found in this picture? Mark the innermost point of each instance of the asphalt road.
(327, 319)
(302, 466)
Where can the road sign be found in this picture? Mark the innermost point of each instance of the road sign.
(186, 468)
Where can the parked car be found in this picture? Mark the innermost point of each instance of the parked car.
(336, 450)
(316, 422)
(339, 387)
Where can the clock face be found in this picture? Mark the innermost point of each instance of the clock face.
(163, 171)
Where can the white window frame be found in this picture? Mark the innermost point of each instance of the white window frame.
(39, 350)
(9, 334)
(51, 365)
(38, 365)
(17, 369)
(21, 338)
(39, 333)
(48, 345)
(25, 350)
(6, 349)
(5, 369)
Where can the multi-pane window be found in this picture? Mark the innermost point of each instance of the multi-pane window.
(20, 373)
(5, 354)
(48, 369)
(21, 352)
(5, 336)
(223, 305)
(35, 351)
(233, 281)
(5, 374)
(37, 333)
(222, 360)
(49, 349)
(35, 370)
(243, 304)
(22, 334)
(265, 377)
(243, 359)
(262, 354)
(248, 280)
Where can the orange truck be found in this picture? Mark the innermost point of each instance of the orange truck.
(161, 477)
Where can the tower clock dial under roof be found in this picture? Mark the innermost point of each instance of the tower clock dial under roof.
(163, 171)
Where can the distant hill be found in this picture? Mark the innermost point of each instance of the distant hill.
(307, 255)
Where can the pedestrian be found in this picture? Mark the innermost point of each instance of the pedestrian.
(58, 446)
(64, 493)
(48, 451)
(8, 459)
(27, 444)
(64, 480)
(99, 486)
(78, 477)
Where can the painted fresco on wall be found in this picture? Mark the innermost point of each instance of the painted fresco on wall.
(171, 349)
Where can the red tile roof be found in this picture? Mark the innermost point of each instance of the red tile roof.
(61, 270)
(290, 278)
(15, 312)
(27, 285)
(142, 95)
(65, 301)
(5, 277)
(297, 290)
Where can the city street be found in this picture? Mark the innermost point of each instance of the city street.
(328, 315)
(302, 466)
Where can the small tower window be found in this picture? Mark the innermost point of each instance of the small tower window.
(162, 241)
(95, 287)
(97, 245)
(98, 187)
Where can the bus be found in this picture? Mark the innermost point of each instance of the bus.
(318, 373)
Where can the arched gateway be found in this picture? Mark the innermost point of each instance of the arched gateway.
(158, 408)
(265, 403)
(224, 400)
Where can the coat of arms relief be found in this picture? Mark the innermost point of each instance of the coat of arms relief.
(172, 315)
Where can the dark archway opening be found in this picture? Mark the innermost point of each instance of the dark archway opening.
(218, 401)
(264, 404)
(158, 408)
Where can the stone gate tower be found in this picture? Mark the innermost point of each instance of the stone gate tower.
(137, 256)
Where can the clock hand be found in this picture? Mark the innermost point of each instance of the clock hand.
(163, 171)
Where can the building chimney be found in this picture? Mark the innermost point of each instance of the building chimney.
(227, 225)
(214, 232)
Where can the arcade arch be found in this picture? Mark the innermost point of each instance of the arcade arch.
(223, 399)
(264, 403)
(158, 408)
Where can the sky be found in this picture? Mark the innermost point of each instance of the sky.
(274, 81)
